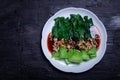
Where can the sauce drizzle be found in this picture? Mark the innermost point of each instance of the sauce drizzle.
(49, 43)
(98, 41)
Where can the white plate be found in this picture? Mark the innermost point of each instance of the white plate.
(84, 66)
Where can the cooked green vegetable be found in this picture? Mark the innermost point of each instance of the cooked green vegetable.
(92, 52)
(73, 55)
(75, 31)
(61, 28)
(85, 55)
(76, 57)
(74, 27)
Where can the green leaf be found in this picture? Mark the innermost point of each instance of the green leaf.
(85, 56)
(61, 28)
(91, 22)
(76, 57)
(56, 55)
(92, 52)
(75, 27)
(70, 53)
(63, 52)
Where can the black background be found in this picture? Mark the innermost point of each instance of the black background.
(21, 24)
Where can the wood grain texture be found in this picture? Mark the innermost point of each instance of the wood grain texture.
(21, 24)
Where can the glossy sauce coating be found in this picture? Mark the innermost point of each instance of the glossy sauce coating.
(49, 43)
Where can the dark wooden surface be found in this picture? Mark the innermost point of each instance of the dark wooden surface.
(21, 23)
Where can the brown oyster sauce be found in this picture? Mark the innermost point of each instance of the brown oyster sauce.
(98, 42)
(50, 43)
